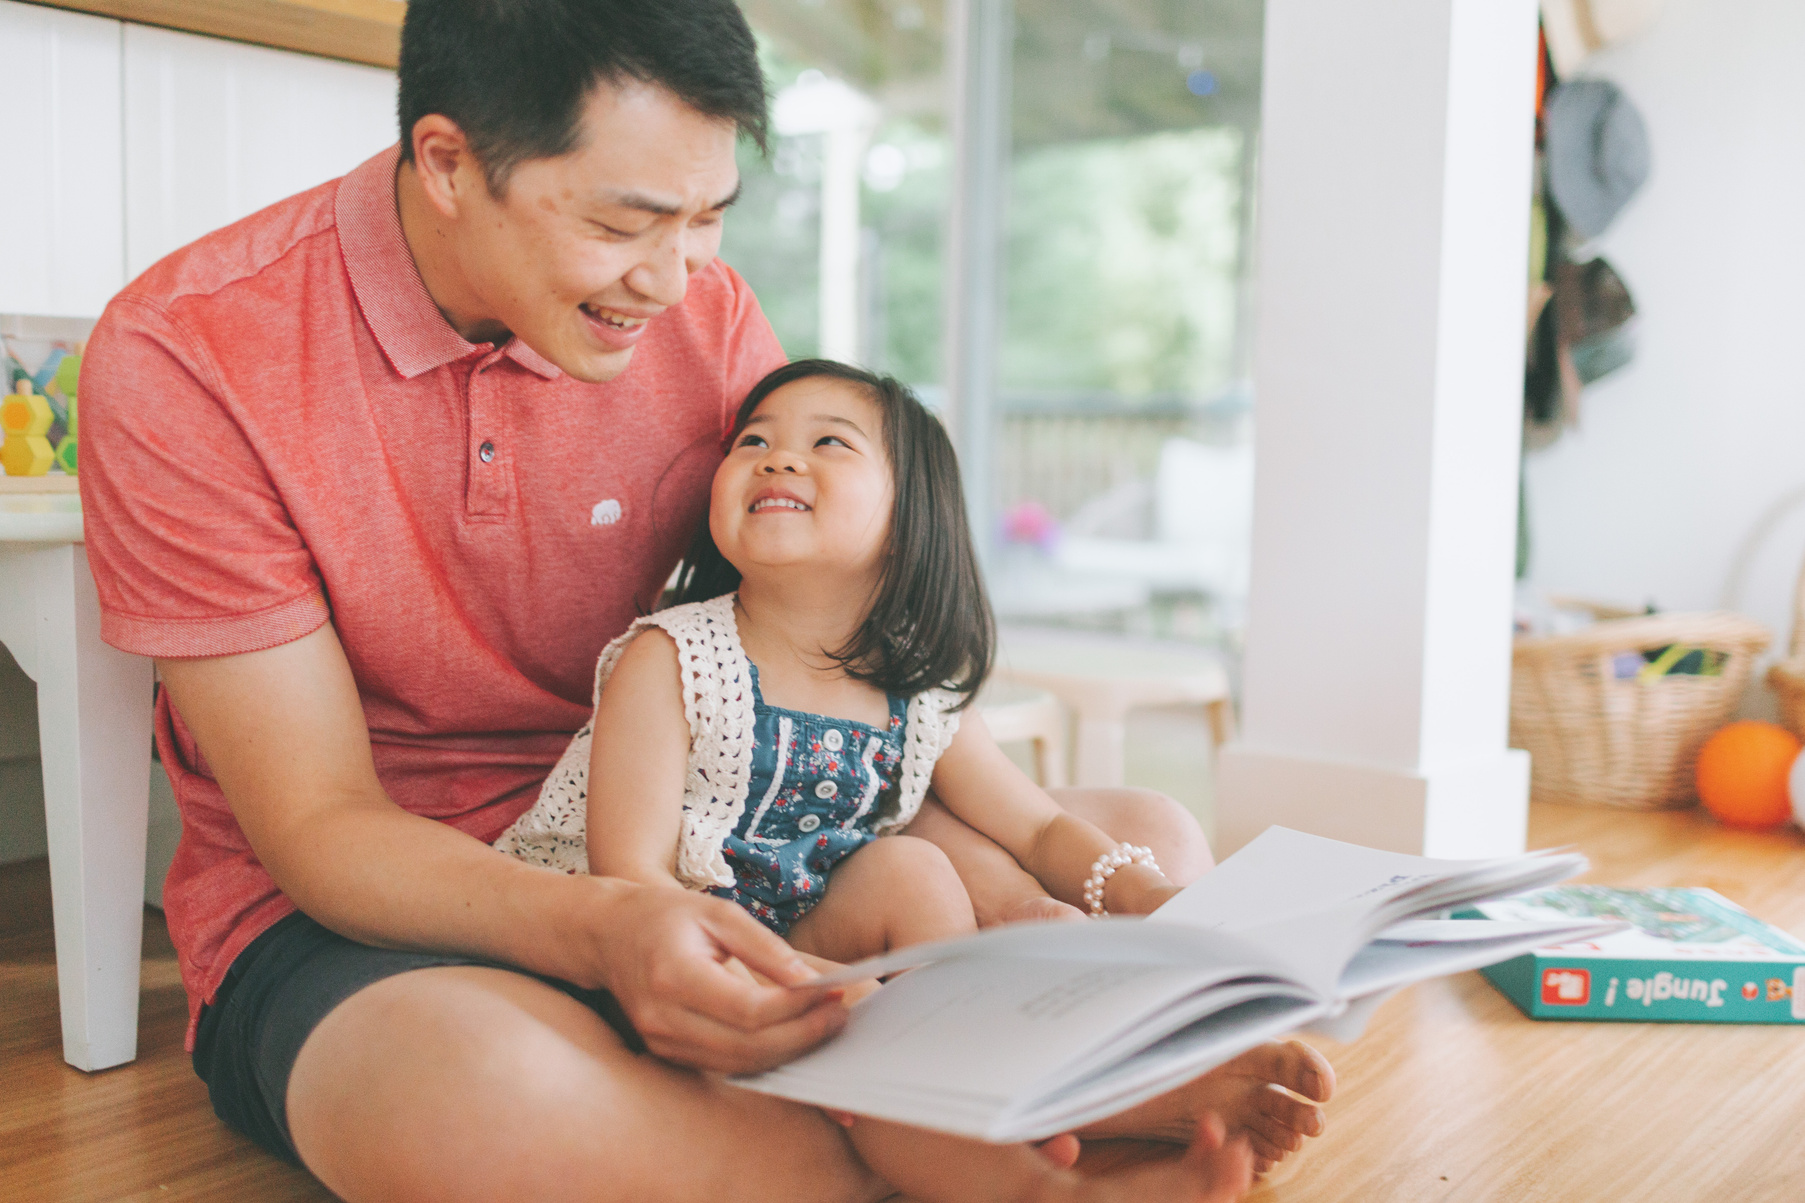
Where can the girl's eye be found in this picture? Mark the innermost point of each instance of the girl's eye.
(827, 440)
(751, 440)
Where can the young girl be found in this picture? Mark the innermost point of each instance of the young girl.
(767, 737)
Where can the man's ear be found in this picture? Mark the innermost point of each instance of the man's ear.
(443, 161)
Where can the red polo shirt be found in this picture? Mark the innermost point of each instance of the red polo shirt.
(279, 429)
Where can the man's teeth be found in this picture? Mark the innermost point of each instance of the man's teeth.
(777, 503)
(614, 319)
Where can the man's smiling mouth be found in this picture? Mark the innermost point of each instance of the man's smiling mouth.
(619, 321)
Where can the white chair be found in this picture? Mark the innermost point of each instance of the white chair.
(1103, 677)
(1019, 714)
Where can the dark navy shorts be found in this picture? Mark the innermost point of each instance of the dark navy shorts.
(279, 989)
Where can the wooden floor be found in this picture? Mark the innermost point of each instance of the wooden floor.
(141, 1131)
(1451, 1094)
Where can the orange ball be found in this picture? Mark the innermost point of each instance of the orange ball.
(1742, 774)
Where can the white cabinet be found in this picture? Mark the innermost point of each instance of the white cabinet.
(61, 205)
(216, 130)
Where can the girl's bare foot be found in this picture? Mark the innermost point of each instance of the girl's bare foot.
(1246, 1093)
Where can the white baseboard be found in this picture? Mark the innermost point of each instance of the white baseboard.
(1475, 808)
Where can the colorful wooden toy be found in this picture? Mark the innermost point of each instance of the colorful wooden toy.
(25, 416)
(1743, 774)
(67, 373)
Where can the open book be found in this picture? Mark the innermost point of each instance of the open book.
(1019, 1033)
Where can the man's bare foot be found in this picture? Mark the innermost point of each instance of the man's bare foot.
(1217, 1168)
(932, 1167)
(1245, 1092)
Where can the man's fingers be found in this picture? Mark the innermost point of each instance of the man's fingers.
(744, 937)
(709, 987)
(694, 1039)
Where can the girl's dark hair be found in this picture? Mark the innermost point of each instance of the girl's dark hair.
(514, 73)
(930, 623)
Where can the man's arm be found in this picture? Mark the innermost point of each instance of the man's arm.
(283, 731)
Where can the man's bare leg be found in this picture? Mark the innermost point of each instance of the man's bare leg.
(1245, 1091)
(470, 1083)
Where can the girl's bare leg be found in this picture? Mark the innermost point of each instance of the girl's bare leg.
(1246, 1091)
(889, 894)
(469, 1083)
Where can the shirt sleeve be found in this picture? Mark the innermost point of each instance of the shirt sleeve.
(192, 549)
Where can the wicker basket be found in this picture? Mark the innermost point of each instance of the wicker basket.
(1787, 678)
(1595, 740)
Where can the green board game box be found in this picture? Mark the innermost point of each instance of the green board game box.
(1692, 956)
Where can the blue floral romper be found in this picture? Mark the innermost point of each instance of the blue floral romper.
(817, 786)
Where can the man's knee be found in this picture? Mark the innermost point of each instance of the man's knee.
(1144, 816)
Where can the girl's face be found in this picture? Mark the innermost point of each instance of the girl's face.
(806, 485)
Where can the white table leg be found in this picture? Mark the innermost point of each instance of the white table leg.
(94, 720)
(1102, 746)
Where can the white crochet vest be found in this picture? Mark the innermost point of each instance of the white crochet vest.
(717, 701)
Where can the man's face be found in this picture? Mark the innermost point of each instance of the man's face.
(583, 250)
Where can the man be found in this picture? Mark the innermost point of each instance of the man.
(374, 474)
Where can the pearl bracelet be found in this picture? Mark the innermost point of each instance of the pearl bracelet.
(1121, 856)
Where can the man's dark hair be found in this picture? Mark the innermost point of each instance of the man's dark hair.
(514, 74)
(930, 623)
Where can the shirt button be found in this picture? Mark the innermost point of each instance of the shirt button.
(826, 789)
(834, 741)
(808, 823)
(486, 452)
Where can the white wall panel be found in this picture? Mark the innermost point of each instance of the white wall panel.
(216, 130)
(61, 217)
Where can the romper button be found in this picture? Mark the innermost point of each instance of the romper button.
(834, 741)
(808, 822)
(486, 452)
(826, 789)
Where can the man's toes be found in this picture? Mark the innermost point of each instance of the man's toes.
(1264, 1151)
(1295, 1114)
(1292, 1064)
(1277, 1135)
(1310, 1073)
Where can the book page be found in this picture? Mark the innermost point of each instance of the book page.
(951, 1044)
(1284, 874)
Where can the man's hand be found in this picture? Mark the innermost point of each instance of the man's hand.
(667, 956)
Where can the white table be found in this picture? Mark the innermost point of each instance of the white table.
(94, 720)
(1103, 677)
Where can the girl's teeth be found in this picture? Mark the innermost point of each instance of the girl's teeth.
(775, 502)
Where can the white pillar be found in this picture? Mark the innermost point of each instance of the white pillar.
(842, 160)
(1394, 194)
(979, 41)
(845, 118)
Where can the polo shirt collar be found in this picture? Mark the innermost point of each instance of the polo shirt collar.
(408, 326)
